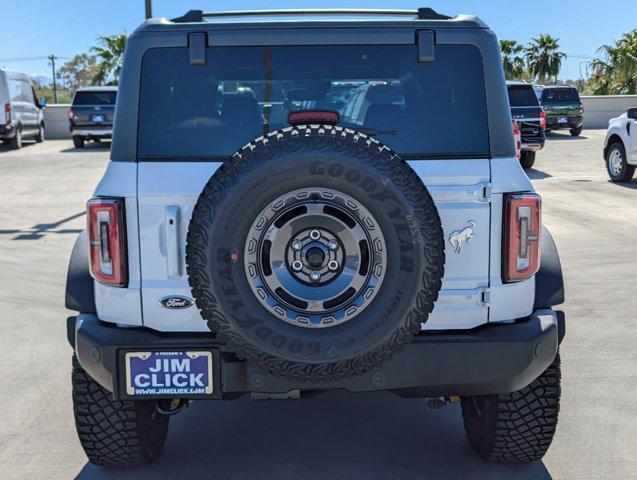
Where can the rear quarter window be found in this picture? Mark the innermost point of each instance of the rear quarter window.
(212, 110)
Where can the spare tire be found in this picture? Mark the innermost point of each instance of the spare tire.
(315, 252)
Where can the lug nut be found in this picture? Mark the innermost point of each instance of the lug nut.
(315, 276)
(315, 234)
(297, 265)
(297, 245)
(332, 265)
(333, 245)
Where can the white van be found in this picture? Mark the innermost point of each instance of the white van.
(22, 113)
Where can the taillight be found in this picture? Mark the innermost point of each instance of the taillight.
(542, 118)
(581, 110)
(522, 224)
(70, 113)
(7, 114)
(517, 138)
(107, 237)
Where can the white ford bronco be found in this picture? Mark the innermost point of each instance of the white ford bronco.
(301, 201)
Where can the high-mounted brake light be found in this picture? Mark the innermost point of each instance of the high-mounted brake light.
(329, 117)
(517, 138)
(7, 114)
(542, 118)
(70, 113)
(107, 241)
(522, 225)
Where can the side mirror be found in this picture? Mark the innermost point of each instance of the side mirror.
(632, 113)
(42, 102)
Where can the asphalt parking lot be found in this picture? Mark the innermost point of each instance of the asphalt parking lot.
(43, 189)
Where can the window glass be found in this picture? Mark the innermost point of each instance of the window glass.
(94, 98)
(522, 96)
(212, 110)
(560, 95)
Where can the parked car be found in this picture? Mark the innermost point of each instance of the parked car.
(530, 117)
(235, 252)
(22, 111)
(563, 107)
(91, 114)
(620, 146)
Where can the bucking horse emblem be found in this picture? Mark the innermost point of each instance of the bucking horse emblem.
(462, 235)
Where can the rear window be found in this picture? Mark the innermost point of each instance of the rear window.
(94, 98)
(212, 110)
(522, 96)
(560, 95)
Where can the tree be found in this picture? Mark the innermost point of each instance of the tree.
(543, 58)
(110, 54)
(614, 72)
(512, 60)
(79, 71)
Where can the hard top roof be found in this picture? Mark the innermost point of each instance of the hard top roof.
(105, 88)
(341, 17)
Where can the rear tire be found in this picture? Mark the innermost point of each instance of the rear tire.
(527, 159)
(114, 433)
(618, 169)
(40, 136)
(16, 142)
(78, 141)
(517, 427)
(576, 131)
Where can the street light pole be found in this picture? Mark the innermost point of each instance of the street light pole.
(149, 9)
(55, 90)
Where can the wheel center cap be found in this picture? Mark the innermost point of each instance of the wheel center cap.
(315, 257)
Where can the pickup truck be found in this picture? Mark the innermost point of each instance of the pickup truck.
(563, 108)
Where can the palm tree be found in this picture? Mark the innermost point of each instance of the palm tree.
(614, 72)
(544, 58)
(110, 54)
(512, 61)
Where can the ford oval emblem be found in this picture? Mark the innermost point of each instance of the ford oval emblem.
(176, 302)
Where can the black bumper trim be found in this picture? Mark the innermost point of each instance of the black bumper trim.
(495, 358)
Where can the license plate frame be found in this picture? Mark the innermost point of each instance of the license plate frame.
(562, 120)
(98, 118)
(169, 382)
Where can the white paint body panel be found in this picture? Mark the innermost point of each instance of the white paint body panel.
(617, 126)
(160, 198)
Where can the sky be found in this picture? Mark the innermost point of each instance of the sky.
(38, 28)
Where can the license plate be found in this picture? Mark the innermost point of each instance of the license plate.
(169, 373)
(97, 118)
(562, 120)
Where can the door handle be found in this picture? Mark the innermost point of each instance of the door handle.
(173, 247)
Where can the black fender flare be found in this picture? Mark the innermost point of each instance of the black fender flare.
(549, 282)
(80, 294)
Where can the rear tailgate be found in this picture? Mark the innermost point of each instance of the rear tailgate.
(84, 115)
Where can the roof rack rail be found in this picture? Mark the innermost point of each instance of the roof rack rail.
(424, 13)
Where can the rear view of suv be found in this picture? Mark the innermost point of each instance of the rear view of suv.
(22, 113)
(309, 204)
(91, 114)
(563, 107)
(531, 120)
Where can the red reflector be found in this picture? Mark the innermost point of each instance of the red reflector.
(517, 138)
(314, 116)
(542, 118)
(7, 114)
(581, 110)
(107, 240)
(522, 225)
(70, 113)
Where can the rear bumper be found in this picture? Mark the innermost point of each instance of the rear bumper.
(553, 123)
(533, 146)
(92, 132)
(491, 359)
